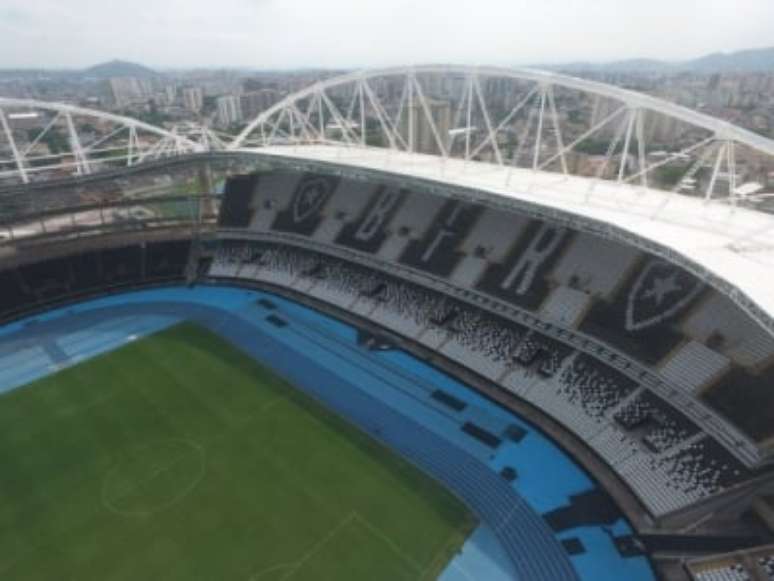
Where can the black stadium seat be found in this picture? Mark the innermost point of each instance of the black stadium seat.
(44, 283)
(166, 260)
(642, 317)
(14, 294)
(122, 265)
(589, 392)
(437, 251)
(49, 279)
(87, 271)
(522, 278)
(235, 209)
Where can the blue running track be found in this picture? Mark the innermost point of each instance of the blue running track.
(385, 393)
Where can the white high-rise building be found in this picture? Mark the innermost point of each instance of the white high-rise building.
(255, 102)
(170, 94)
(229, 110)
(129, 90)
(193, 99)
(416, 129)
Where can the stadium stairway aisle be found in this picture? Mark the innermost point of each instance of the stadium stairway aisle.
(321, 356)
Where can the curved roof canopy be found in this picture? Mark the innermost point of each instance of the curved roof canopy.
(47, 139)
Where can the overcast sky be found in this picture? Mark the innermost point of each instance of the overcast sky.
(352, 33)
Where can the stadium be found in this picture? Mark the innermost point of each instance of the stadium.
(411, 323)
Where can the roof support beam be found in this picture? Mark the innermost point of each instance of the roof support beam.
(81, 160)
(539, 136)
(20, 163)
(557, 129)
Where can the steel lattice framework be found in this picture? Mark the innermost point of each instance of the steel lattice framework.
(674, 182)
(524, 119)
(40, 139)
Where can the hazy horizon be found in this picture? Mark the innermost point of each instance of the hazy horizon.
(300, 34)
(312, 67)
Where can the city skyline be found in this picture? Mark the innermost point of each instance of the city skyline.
(338, 34)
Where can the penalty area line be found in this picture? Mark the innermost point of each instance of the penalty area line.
(293, 568)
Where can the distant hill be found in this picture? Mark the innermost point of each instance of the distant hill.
(118, 68)
(629, 66)
(743, 61)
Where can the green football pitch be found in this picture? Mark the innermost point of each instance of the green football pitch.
(178, 457)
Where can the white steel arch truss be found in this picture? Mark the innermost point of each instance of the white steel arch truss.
(527, 119)
(39, 140)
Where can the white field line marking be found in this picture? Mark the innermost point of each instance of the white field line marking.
(272, 569)
(390, 543)
(158, 471)
(451, 540)
(77, 408)
(319, 545)
(110, 503)
(293, 568)
(242, 422)
(270, 404)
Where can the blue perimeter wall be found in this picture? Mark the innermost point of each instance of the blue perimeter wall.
(384, 392)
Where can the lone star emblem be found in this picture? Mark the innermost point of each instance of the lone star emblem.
(661, 291)
(662, 287)
(310, 197)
